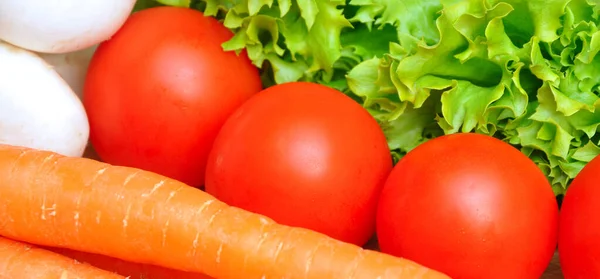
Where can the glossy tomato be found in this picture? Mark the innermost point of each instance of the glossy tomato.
(305, 155)
(470, 206)
(579, 231)
(159, 90)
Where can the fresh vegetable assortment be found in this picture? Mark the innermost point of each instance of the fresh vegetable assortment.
(522, 71)
(273, 139)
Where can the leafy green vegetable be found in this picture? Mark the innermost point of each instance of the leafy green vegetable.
(523, 71)
(176, 3)
(145, 4)
(527, 72)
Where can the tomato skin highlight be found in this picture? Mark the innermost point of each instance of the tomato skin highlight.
(158, 92)
(470, 206)
(304, 155)
(579, 229)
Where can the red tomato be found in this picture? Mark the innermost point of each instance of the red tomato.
(470, 206)
(158, 92)
(579, 231)
(305, 155)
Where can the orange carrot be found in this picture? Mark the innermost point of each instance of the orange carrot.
(20, 260)
(139, 216)
(125, 268)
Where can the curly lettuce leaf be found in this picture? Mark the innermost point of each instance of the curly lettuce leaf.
(300, 40)
(527, 72)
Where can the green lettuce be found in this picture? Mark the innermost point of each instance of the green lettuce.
(522, 71)
(526, 72)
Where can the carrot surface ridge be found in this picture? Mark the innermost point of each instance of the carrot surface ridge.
(24, 261)
(139, 216)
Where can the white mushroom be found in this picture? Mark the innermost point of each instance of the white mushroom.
(38, 109)
(60, 26)
(71, 66)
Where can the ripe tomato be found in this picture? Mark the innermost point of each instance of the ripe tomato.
(470, 206)
(158, 92)
(578, 241)
(304, 155)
